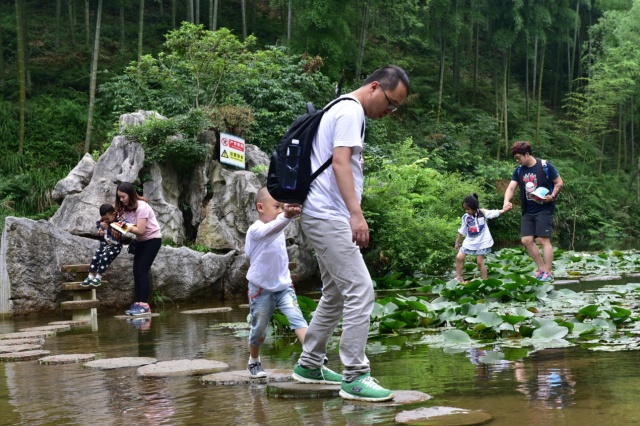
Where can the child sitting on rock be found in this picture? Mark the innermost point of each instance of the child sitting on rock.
(110, 245)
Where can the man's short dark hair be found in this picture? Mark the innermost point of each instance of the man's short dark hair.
(521, 147)
(105, 209)
(389, 77)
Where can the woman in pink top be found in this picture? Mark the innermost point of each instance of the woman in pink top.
(149, 239)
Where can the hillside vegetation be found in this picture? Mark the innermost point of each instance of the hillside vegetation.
(562, 74)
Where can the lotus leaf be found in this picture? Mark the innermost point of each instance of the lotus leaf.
(490, 319)
(456, 337)
(550, 331)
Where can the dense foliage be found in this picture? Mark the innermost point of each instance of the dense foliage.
(562, 74)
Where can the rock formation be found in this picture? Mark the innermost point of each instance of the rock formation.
(212, 208)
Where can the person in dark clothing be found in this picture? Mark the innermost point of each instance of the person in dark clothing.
(537, 211)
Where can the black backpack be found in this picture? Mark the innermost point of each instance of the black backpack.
(290, 177)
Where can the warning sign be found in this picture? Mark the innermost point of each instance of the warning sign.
(232, 150)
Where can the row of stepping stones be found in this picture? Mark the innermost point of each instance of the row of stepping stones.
(26, 345)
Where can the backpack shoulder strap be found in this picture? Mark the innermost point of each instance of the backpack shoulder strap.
(545, 167)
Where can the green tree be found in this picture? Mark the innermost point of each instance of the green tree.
(22, 73)
(94, 76)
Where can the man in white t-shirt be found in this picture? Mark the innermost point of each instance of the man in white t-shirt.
(333, 222)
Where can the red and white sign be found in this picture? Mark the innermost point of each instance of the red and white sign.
(232, 150)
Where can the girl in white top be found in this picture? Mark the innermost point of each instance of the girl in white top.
(475, 228)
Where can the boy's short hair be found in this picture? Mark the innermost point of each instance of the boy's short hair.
(521, 147)
(262, 195)
(105, 209)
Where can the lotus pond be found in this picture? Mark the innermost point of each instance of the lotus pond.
(524, 351)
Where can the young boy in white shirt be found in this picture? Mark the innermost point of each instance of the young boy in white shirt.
(270, 284)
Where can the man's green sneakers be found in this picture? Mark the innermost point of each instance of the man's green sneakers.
(365, 388)
(321, 375)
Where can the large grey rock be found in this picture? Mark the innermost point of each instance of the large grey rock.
(120, 163)
(257, 161)
(230, 211)
(76, 180)
(34, 252)
(137, 118)
(213, 205)
(162, 193)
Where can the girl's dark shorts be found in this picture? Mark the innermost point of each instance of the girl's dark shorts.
(538, 224)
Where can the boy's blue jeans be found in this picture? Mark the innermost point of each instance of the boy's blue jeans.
(262, 305)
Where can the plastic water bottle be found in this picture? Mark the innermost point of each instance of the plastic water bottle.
(291, 166)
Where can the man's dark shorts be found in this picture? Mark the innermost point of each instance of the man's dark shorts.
(539, 224)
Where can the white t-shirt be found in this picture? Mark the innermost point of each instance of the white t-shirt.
(483, 238)
(341, 126)
(267, 250)
(144, 211)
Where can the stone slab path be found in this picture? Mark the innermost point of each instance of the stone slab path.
(18, 348)
(182, 367)
(208, 311)
(601, 278)
(27, 335)
(242, 377)
(66, 359)
(301, 390)
(443, 416)
(29, 341)
(122, 362)
(23, 356)
(60, 327)
(69, 323)
(402, 397)
(565, 282)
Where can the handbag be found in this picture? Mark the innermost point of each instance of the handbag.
(132, 247)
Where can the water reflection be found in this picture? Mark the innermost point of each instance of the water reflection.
(547, 385)
(569, 386)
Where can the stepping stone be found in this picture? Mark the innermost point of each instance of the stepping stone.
(70, 323)
(23, 356)
(207, 311)
(242, 377)
(27, 335)
(244, 306)
(601, 278)
(79, 305)
(402, 397)
(181, 367)
(123, 362)
(48, 328)
(151, 315)
(565, 282)
(66, 359)
(301, 390)
(31, 341)
(18, 348)
(443, 416)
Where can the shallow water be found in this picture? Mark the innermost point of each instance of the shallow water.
(571, 386)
